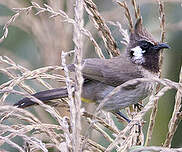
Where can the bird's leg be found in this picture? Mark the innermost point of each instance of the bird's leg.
(138, 106)
(123, 116)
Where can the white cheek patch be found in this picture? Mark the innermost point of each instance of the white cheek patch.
(138, 54)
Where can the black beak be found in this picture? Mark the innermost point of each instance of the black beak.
(162, 46)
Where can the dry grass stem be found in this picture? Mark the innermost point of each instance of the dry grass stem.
(97, 48)
(96, 145)
(53, 14)
(26, 74)
(128, 16)
(34, 124)
(63, 124)
(101, 121)
(102, 28)
(12, 19)
(137, 9)
(165, 82)
(71, 21)
(75, 110)
(16, 146)
(124, 33)
(156, 149)
(69, 88)
(127, 13)
(173, 124)
(154, 109)
(101, 131)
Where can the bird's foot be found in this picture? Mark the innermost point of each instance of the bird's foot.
(138, 106)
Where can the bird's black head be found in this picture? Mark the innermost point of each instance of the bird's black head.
(143, 50)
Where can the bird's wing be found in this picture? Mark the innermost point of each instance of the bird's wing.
(113, 71)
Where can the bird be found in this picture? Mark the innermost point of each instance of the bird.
(102, 76)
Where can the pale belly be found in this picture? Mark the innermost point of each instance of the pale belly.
(119, 97)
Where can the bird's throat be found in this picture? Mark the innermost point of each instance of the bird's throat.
(151, 63)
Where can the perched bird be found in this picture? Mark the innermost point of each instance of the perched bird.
(101, 76)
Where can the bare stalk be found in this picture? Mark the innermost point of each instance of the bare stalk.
(102, 27)
(156, 149)
(173, 124)
(136, 9)
(155, 107)
(127, 13)
(78, 40)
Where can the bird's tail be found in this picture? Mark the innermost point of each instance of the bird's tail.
(43, 96)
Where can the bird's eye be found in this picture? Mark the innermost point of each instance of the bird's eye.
(145, 45)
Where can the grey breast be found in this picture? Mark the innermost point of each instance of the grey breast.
(125, 95)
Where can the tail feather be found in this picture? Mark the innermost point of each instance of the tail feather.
(43, 96)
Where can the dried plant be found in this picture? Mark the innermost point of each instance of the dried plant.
(127, 13)
(155, 108)
(66, 134)
(173, 124)
(102, 27)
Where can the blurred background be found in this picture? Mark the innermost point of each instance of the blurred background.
(37, 41)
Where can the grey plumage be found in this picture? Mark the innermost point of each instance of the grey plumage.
(105, 76)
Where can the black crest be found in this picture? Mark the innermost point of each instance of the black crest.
(143, 49)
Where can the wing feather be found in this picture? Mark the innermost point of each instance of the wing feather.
(113, 71)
